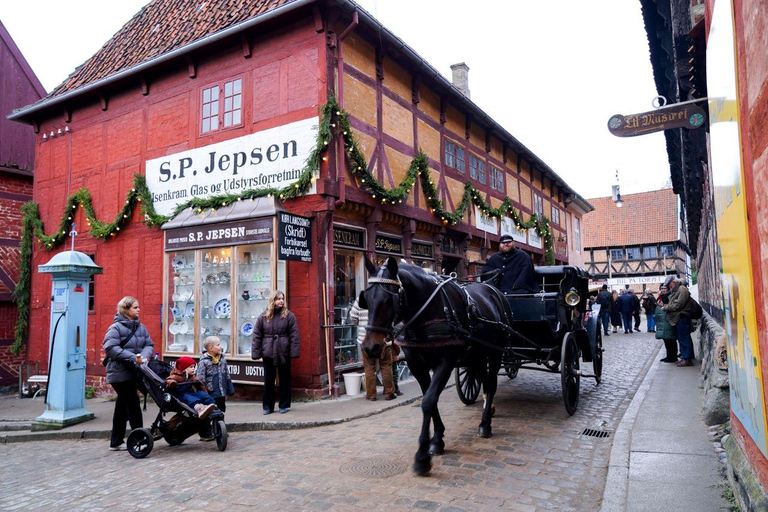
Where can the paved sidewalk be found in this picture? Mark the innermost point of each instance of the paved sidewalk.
(661, 458)
(17, 414)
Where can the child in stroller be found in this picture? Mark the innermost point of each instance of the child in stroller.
(187, 421)
(184, 385)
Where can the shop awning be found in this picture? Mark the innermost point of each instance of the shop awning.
(246, 209)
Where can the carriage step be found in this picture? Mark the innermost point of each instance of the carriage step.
(579, 373)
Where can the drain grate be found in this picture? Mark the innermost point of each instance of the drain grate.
(595, 433)
(375, 468)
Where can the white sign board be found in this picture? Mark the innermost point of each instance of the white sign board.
(484, 223)
(620, 281)
(534, 240)
(508, 228)
(270, 158)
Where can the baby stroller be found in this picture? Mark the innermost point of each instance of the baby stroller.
(183, 424)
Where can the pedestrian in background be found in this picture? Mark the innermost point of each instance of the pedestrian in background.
(359, 317)
(213, 372)
(649, 304)
(664, 331)
(627, 308)
(126, 343)
(276, 341)
(635, 308)
(678, 314)
(615, 311)
(604, 300)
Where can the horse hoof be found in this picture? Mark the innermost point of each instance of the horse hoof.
(422, 469)
(484, 432)
(436, 449)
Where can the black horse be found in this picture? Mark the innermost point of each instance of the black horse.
(441, 325)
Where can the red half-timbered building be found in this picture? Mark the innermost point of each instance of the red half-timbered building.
(225, 95)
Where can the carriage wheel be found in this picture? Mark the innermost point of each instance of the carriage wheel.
(140, 442)
(511, 370)
(597, 358)
(468, 385)
(569, 366)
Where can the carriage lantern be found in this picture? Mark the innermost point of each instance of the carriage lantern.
(572, 297)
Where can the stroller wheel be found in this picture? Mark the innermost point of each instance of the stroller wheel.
(220, 432)
(140, 443)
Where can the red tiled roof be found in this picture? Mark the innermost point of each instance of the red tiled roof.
(645, 218)
(159, 27)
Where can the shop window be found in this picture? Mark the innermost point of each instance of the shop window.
(213, 117)
(476, 169)
(454, 156)
(497, 179)
(650, 253)
(348, 283)
(617, 254)
(451, 245)
(667, 251)
(633, 253)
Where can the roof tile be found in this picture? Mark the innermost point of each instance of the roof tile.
(645, 218)
(160, 27)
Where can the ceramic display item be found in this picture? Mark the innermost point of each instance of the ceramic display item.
(190, 311)
(176, 297)
(175, 312)
(222, 308)
(183, 328)
(246, 295)
(179, 261)
(173, 328)
(247, 328)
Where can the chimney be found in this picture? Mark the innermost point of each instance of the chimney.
(460, 80)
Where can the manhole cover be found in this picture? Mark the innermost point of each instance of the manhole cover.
(375, 468)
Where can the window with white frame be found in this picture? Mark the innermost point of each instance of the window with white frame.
(497, 179)
(555, 215)
(454, 156)
(577, 234)
(213, 116)
(538, 205)
(476, 169)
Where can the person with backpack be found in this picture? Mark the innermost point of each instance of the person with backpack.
(664, 331)
(679, 316)
(126, 343)
(649, 304)
(604, 300)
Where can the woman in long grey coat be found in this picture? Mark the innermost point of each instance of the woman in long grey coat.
(126, 343)
(276, 340)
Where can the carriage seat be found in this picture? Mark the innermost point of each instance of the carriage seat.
(533, 306)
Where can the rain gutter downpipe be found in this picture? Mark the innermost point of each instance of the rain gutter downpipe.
(341, 164)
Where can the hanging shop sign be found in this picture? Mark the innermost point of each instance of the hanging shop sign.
(675, 116)
(214, 235)
(508, 228)
(294, 235)
(419, 250)
(348, 238)
(245, 372)
(270, 158)
(534, 240)
(389, 244)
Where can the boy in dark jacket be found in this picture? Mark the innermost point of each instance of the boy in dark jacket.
(183, 384)
(212, 371)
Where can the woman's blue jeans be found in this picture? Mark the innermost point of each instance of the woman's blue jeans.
(650, 322)
(684, 338)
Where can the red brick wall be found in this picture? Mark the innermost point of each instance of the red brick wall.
(109, 147)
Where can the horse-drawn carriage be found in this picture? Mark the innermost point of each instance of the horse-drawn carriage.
(549, 331)
(476, 330)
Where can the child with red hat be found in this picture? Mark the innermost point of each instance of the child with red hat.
(183, 384)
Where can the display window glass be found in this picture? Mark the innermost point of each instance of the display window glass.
(349, 281)
(219, 292)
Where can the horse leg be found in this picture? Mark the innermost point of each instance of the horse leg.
(422, 464)
(440, 378)
(490, 384)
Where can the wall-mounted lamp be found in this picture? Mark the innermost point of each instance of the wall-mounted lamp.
(615, 193)
(619, 202)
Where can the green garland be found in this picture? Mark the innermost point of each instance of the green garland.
(139, 195)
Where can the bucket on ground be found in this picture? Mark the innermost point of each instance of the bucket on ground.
(353, 382)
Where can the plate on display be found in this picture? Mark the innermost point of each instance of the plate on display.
(179, 261)
(174, 328)
(222, 308)
(190, 311)
(247, 328)
(177, 347)
(183, 328)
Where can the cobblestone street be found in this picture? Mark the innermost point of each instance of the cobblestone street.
(536, 460)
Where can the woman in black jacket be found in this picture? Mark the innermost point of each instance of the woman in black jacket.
(276, 341)
(126, 343)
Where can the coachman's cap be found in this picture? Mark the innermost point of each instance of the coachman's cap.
(505, 239)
